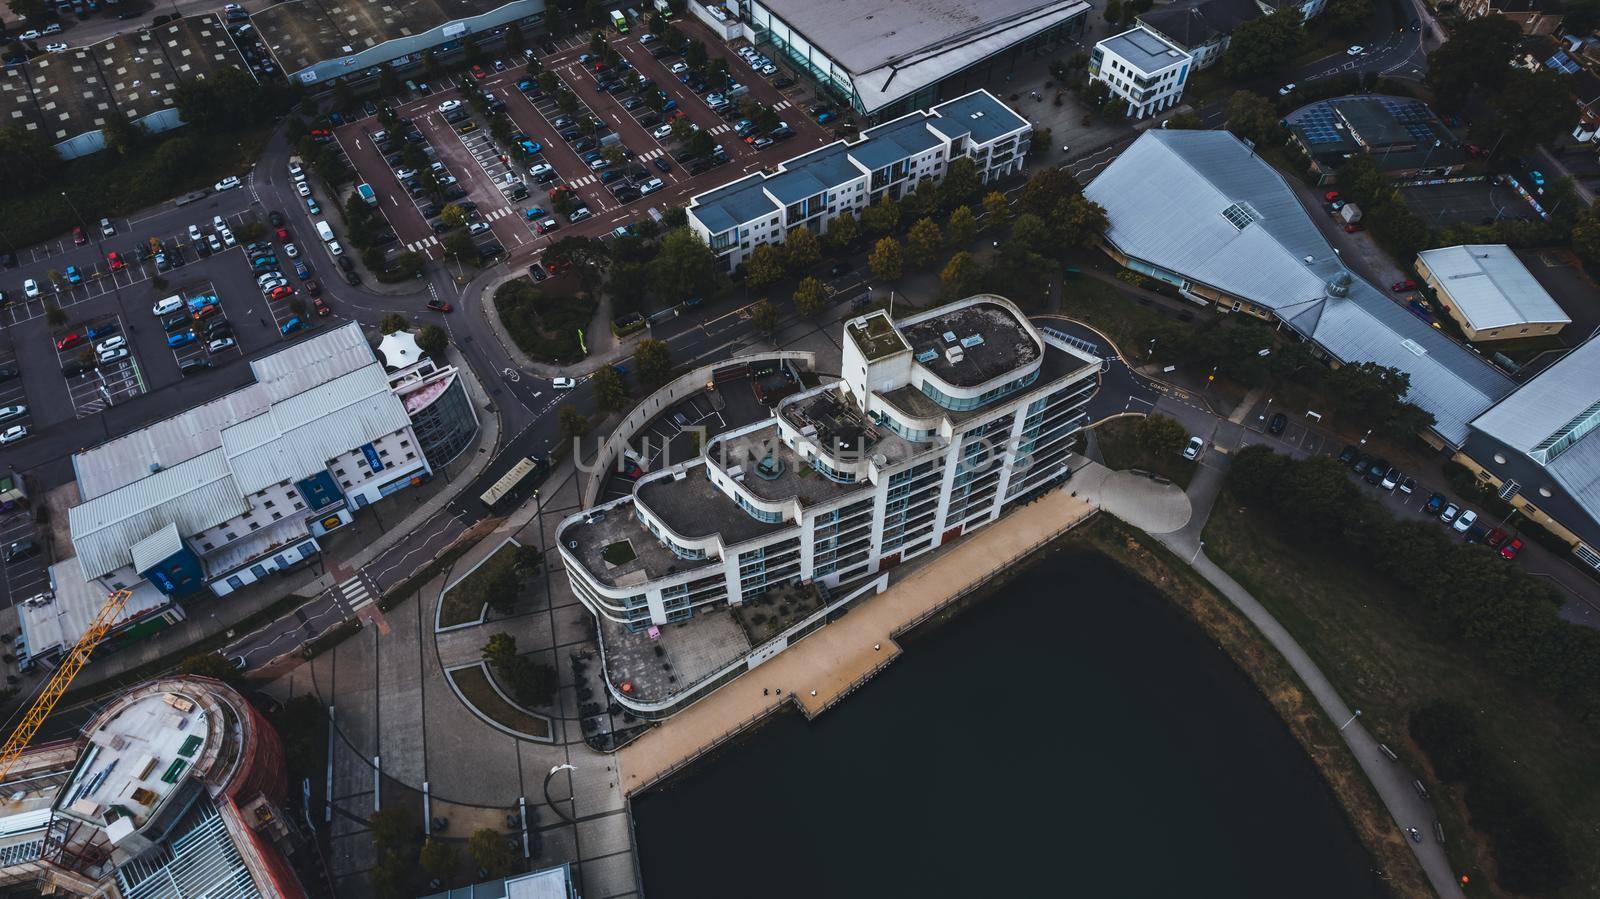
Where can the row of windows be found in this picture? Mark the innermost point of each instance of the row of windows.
(963, 403)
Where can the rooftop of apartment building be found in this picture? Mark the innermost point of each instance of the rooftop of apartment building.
(767, 468)
(618, 550)
(971, 345)
(687, 502)
(302, 33)
(1056, 364)
(1144, 50)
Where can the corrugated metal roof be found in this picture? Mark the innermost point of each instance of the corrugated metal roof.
(154, 549)
(193, 495)
(1166, 197)
(60, 618)
(300, 434)
(1554, 398)
(1490, 286)
(315, 360)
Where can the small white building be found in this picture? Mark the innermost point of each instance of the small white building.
(1490, 293)
(1143, 68)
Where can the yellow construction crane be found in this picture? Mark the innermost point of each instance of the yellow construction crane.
(61, 680)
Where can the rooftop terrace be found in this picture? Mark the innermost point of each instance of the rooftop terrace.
(694, 508)
(990, 342)
(1057, 364)
(619, 551)
(774, 472)
(875, 337)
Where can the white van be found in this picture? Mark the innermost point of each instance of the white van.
(324, 232)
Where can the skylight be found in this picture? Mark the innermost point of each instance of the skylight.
(1239, 215)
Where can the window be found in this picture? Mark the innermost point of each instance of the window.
(346, 483)
(235, 581)
(340, 473)
(298, 505)
(231, 536)
(254, 526)
(404, 444)
(1239, 215)
(260, 571)
(277, 515)
(205, 546)
(411, 455)
(383, 454)
(267, 505)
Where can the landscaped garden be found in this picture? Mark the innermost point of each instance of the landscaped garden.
(475, 687)
(495, 584)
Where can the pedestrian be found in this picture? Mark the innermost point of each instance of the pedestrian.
(765, 691)
(813, 692)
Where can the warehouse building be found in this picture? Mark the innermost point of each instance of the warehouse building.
(1490, 293)
(886, 57)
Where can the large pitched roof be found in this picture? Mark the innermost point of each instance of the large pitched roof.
(1203, 205)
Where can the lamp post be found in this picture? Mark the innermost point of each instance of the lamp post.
(1351, 721)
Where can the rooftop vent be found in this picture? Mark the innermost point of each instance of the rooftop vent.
(1414, 347)
(1339, 285)
(927, 355)
(954, 354)
(972, 341)
(949, 337)
(155, 467)
(978, 114)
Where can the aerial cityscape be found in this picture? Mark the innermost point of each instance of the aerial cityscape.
(562, 449)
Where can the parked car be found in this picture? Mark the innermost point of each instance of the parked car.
(1403, 286)
(220, 344)
(1374, 475)
(13, 434)
(1192, 450)
(1464, 521)
(1435, 504)
(1347, 455)
(1408, 485)
(1511, 549)
(182, 338)
(563, 383)
(1451, 510)
(1391, 479)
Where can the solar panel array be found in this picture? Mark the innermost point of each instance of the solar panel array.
(1413, 115)
(1316, 125)
(1562, 63)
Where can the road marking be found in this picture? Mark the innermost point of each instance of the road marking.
(356, 594)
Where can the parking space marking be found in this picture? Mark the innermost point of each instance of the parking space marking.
(98, 386)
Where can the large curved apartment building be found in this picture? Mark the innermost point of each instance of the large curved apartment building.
(938, 422)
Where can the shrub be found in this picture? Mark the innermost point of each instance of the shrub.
(544, 326)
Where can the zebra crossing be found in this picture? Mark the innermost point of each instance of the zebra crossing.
(497, 214)
(417, 246)
(651, 154)
(358, 592)
(586, 179)
(720, 129)
(781, 104)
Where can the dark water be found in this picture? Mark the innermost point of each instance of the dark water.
(1071, 736)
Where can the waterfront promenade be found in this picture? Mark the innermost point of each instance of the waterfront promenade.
(825, 666)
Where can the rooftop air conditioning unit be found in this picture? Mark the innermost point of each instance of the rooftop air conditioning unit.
(954, 354)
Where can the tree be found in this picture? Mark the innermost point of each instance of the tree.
(433, 340)
(500, 651)
(209, 664)
(391, 828)
(684, 267)
(514, 41)
(700, 143)
(1030, 234)
(764, 267)
(490, 852)
(440, 860)
(430, 65)
(922, 201)
(764, 317)
(1532, 108)
(1184, 121)
(960, 184)
(653, 358)
(225, 101)
(1475, 61)
(53, 315)
(881, 217)
(1253, 117)
(1263, 46)
(549, 81)
(695, 55)
(960, 276)
(609, 390)
(1113, 11)
(961, 228)
(1078, 222)
(803, 248)
(408, 265)
(27, 151)
(842, 232)
(458, 245)
(923, 243)
(393, 322)
(996, 209)
(1158, 435)
(1045, 189)
(574, 424)
(1347, 18)
(886, 260)
(1585, 235)
(810, 298)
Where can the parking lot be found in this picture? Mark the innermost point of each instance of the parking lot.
(12, 391)
(98, 362)
(609, 106)
(1466, 203)
(24, 577)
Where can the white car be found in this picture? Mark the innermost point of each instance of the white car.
(662, 131)
(228, 240)
(291, 250)
(651, 186)
(477, 227)
(334, 248)
(194, 234)
(56, 47)
(110, 356)
(1357, 50)
(214, 242)
(111, 343)
(403, 174)
(678, 68)
(167, 306)
(1465, 522)
(540, 169)
(228, 183)
(563, 383)
(449, 105)
(9, 412)
(768, 70)
(303, 188)
(218, 222)
(30, 288)
(107, 229)
(294, 167)
(31, 34)
(1192, 451)
(265, 279)
(646, 38)
(13, 434)
(1287, 89)
(220, 344)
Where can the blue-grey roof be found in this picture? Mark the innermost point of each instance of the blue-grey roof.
(732, 205)
(978, 114)
(811, 174)
(1144, 49)
(1202, 204)
(893, 141)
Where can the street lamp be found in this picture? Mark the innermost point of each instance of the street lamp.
(1351, 721)
(1365, 436)
(1194, 558)
(1264, 410)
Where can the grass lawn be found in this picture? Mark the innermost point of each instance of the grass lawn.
(464, 601)
(480, 694)
(619, 553)
(1122, 452)
(1104, 308)
(1387, 661)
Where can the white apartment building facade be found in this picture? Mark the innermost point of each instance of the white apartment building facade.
(813, 189)
(940, 422)
(1143, 68)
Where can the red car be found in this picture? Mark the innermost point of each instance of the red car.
(77, 236)
(1403, 286)
(313, 288)
(1495, 538)
(1330, 196)
(439, 306)
(115, 259)
(1510, 550)
(478, 72)
(283, 235)
(1353, 227)
(69, 340)
(206, 311)
(321, 306)
(281, 291)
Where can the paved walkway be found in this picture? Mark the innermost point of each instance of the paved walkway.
(827, 665)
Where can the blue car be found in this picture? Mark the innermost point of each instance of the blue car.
(99, 331)
(527, 84)
(534, 212)
(669, 106)
(302, 271)
(531, 147)
(292, 325)
(182, 338)
(200, 302)
(73, 275)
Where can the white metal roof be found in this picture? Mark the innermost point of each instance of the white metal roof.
(59, 618)
(154, 549)
(1565, 395)
(400, 349)
(1490, 286)
(194, 495)
(1203, 205)
(300, 434)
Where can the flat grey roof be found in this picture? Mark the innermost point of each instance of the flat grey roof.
(993, 343)
(1057, 365)
(797, 479)
(734, 204)
(820, 170)
(652, 560)
(143, 68)
(979, 114)
(893, 141)
(1490, 286)
(1144, 49)
(693, 507)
